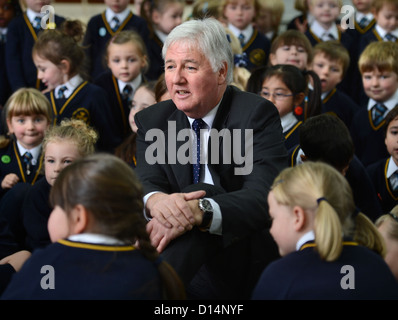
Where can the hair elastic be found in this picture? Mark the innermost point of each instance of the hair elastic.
(320, 199)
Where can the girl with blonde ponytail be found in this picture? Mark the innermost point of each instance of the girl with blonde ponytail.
(320, 236)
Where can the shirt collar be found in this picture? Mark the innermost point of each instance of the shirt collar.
(390, 103)
(392, 167)
(161, 35)
(34, 151)
(382, 33)
(32, 15)
(319, 31)
(71, 85)
(109, 14)
(208, 118)
(246, 32)
(360, 15)
(309, 236)
(135, 83)
(288, 121)
(95, 238)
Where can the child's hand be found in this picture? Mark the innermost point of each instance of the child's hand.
(301, 26)
(9, 181)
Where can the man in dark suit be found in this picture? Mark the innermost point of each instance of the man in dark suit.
(213, 231)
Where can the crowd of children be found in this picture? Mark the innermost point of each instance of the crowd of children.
(68, 96)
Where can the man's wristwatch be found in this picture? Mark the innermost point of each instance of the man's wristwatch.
(207, 210)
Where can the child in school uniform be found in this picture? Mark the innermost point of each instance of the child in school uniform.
(143, 98)
(364, 19)
(387, 225)
(127, 60)
(385, 13)
(319, 232)
(21, 36)
(8, 10)
(269, 17)
(326, 138)
(331, 62)
(102, 27)
(286, 87)
(62, 145)
(239, 15)
(59, 59)
(325, 28)
(384, 173)
(379, 69)
(304, 19)
(99, 239)
(28, 115)
(162, 17)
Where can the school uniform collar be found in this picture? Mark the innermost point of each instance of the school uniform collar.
(319, 31)
(109, 14)
(300, 153)
(360, 15)
(246, 32)
(32, 15)
(95, 238)
(71, 85)
(288, 121)
(382, 33)
(392, 167)
(161, 35)
(390, 103)
(135, 83)
(307, 237)
(34, 151)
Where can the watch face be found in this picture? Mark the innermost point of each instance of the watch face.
(206, 205)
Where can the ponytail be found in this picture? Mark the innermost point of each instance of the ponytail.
(313, 102)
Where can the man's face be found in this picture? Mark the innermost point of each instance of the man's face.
(192, 84)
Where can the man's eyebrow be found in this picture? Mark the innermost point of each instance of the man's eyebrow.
(184, 61)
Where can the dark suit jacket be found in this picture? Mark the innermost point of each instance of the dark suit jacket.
(244, 203)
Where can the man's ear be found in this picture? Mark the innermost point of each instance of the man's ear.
(79, 219)
(299, 218)
(222, 73)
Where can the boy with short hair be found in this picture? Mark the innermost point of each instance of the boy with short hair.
(378, 65)
(384, 173)
(330, 62)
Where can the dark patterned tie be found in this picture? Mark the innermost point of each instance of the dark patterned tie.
(36, 23)
(390, 37)
(61, 92)
(196, 126)
(241, 38)
(378, 111)
(127, 91)
(27, 158)
(394, 181)
(116, 23)
(363, 22)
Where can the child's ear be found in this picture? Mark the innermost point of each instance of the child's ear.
(272, 59)
(300, 219)
(9, 126)
(79, 219)
(299, 98)
(65, 66)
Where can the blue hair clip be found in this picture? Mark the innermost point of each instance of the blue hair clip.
(321, 199)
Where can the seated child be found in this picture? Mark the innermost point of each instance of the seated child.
(319, 234)
(99, 240)
(330, 62)
(384, 173)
